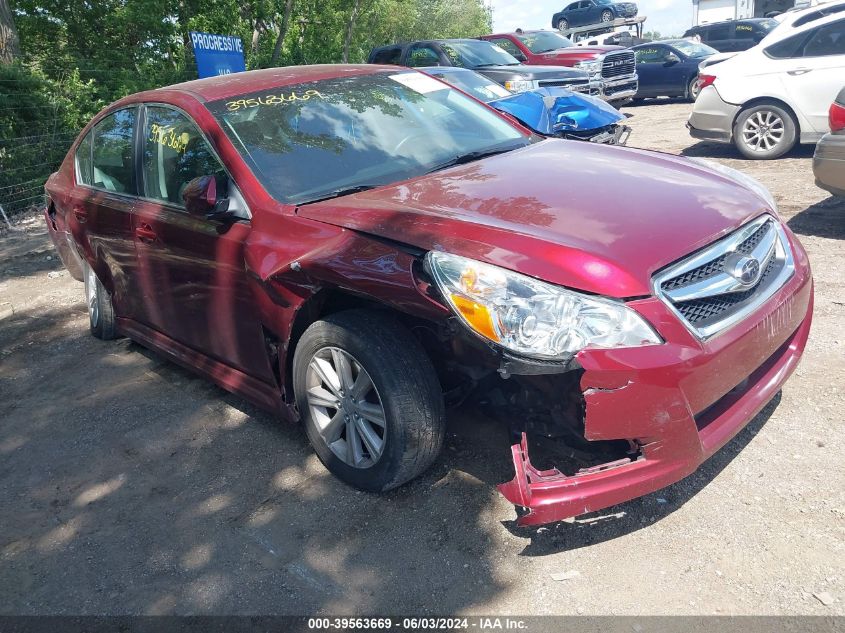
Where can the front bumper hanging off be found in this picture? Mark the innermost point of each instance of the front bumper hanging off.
(662, 400)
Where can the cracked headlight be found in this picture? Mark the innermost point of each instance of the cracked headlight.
(521, 85)
(591, 67)
(743, 179)
(531, 317)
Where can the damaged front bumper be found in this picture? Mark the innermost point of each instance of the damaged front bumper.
(676, 403)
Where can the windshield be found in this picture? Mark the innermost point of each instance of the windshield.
(309, 141)
(693, 49)
(767, 25)
(544, 41)
(476, 54)
(477, 85)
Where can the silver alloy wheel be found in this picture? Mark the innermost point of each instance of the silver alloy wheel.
(346, 407)
(763, 131)
(694, 89)
(607, 16)
(91, 297)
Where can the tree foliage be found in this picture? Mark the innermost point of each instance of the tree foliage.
(77, 56)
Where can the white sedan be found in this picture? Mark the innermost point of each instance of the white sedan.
(772, 96)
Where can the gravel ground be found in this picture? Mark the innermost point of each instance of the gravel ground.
(128, 485)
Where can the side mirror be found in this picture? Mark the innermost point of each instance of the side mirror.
(201, 199)
(671, 59)
(520, 56)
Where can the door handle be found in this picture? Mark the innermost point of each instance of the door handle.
(798, 71)
(145, 233)
(80, 213)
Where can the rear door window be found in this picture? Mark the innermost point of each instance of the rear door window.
(113, 161)
(388, 56)
(174, 153)
(716, 33)
(826, 40)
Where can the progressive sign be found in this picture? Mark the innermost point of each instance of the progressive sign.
(217, 54)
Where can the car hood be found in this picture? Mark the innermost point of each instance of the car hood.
(533, 72)
(587, 216)
(581, 52)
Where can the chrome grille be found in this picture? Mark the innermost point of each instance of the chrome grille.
(618, 64)
(715, 288)
(578, 85)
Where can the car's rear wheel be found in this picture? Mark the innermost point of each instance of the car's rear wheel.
(562, 24)
(765, 131)
(369, 398)
(693, 89)
(100, 310)
(607, 16)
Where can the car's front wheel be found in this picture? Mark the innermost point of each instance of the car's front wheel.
(100, 310)
(765, 131)
(562, 24)
(607, 16)
(369, 398)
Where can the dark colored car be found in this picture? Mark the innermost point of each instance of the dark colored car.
(487, 59)
(587, 12)
(732, 35)
(614, 66)
(829, 158)
(547, 111)
(670, 68)
(355, 247)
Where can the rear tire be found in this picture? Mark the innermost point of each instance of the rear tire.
(100, 310)
(764, 131)
(369, 399)
(562, 24)
(607, 16)
(692, 89)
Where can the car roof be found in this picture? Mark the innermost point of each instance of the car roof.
(224, 86)
(453, 70)
(674, 41)
(811, 14)
(524, 32)
(707, 24)
(784, 30)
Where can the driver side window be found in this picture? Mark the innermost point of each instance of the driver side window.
(174, 154)
(651, 55)
(420, 56)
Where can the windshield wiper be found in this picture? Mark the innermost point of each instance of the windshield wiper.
(471, 156)
(345, 191)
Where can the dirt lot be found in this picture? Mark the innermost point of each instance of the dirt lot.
(127, 485)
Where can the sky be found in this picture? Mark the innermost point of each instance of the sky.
(669, 17)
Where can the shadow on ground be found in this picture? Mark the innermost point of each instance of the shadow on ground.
(823, 219)
(709, 149)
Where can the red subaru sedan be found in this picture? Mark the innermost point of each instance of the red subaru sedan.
(355, 247)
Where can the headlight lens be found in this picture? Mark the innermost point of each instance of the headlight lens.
(531, 317)
(743, 179)
(520, 85)
(590, 67)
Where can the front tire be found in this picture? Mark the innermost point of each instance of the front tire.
(562, 24)
(607, 16)
(369, 399)
(764, 131)
(100, 310)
